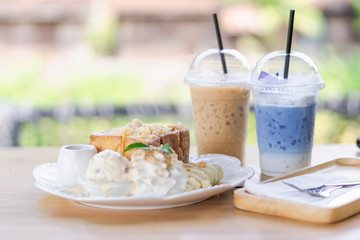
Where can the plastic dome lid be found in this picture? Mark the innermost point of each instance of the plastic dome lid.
(268, 74)
(206, 69)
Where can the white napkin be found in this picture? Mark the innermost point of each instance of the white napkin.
(282, 191)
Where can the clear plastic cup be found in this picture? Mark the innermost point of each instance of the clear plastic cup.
(220, 101)
(285, 111)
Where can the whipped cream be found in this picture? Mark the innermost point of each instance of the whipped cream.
(150, 173)
(157, 173)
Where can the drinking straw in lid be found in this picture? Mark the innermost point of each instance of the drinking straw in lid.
(218, 35)
(288, 43)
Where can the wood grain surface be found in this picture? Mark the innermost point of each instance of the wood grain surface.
(346, 167)
(28, 213)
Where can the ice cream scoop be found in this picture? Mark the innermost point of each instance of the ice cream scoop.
(108, 165)
(107, 175)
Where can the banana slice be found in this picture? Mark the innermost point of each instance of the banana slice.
(200, 173)
(203, 175)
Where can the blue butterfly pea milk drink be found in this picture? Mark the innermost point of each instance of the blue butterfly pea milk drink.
(220, 102)
(285, 110)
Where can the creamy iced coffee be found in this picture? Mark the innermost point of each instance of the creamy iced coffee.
(220, 102)
(220, 115)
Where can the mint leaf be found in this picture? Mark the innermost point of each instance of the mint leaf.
(137, 145)
(167, 148)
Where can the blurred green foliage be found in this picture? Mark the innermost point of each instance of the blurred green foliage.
(101, 32)
(330, 127)
(276, 15)
(21, 82)
(96, 85)
(356, 5)
(49, 132)
(81, 86)
(341, 73)
(108, 86)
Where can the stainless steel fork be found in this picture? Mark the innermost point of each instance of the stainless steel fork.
(323, 190)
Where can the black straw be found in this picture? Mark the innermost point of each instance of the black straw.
(288, 43)
(218, 35)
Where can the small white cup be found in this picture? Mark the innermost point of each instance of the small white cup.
(72, 163)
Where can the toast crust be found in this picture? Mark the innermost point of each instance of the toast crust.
(178, 140)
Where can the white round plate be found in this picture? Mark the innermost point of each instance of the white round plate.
(234, 175)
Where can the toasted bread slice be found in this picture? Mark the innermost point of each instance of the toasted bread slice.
(102, 141)
(115, 139)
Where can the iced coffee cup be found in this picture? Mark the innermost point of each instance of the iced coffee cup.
(220, 102)
(285, 111)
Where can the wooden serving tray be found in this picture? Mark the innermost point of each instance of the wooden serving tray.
(347, 167)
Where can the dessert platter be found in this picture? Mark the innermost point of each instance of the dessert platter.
(234, 175)
(151, 177)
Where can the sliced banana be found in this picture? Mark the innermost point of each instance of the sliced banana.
(203, 175)
(193, 184)
(200, 173)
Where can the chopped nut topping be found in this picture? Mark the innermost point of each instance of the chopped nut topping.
(151, 131)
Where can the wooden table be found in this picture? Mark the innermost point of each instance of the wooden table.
(28, 213)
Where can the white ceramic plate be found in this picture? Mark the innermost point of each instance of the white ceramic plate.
(234, 175)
